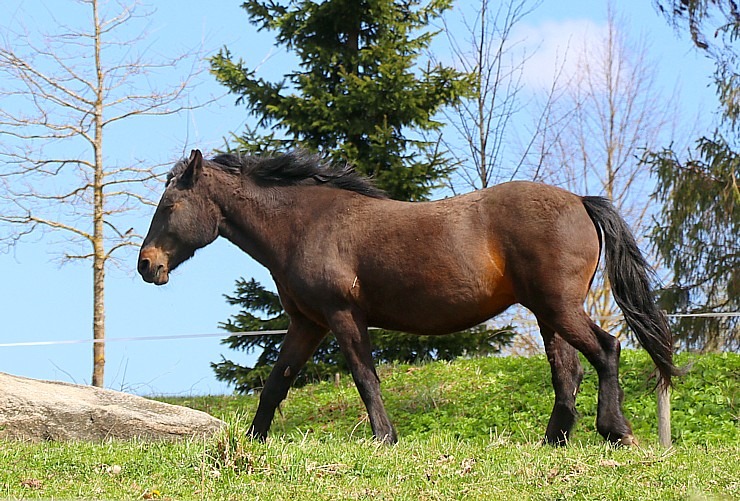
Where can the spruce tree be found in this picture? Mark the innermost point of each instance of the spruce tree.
(698, 230)
(359, 96)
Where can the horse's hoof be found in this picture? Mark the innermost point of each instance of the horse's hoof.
(627, 441)
(255, 435)
(560, 441)
(387, 438)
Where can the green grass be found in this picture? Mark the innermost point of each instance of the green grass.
(479, 397)
(440, 467)
(468, 430)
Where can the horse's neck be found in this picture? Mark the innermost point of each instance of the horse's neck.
(258, 222)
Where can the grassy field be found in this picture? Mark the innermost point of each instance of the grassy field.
(468, 430)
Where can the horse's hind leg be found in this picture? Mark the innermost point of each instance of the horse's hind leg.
(301, 340)
(610, 421)
(602, 351)
(567, 374)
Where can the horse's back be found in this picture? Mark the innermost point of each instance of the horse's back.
(441, 266)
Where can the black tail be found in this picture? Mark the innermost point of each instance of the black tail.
(629, 275)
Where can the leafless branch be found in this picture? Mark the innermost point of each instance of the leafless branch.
(59, 96)
(484, 123)
(611, 110)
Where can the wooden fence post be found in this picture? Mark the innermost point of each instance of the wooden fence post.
(664, 415)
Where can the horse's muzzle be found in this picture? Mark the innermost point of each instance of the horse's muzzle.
(152, 266)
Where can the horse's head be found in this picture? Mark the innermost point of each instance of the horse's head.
(186, 219)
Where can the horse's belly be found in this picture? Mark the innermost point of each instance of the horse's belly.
(439, 311)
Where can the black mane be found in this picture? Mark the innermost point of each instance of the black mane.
(297, 168)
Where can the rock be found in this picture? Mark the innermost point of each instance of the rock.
(51, 410)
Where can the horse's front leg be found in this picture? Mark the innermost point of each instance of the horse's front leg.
(354, 341)
(301, 340)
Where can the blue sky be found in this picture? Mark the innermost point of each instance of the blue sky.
(43, 301)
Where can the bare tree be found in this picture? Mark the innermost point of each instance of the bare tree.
(61, 92)
(616, 111)
(485, 133)
(487, 142)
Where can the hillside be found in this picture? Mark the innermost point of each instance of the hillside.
(511, 396)
(468, 430)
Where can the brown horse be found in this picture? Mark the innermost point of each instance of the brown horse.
(345, 257)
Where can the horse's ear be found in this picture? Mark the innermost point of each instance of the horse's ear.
(192, 172)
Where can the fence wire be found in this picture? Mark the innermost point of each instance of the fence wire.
(270, 333)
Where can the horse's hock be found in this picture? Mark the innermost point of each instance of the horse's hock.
(49, 410)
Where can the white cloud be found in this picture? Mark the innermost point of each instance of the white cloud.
(555, 47)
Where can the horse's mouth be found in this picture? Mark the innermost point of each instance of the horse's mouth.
(161, 276)
(152, 272)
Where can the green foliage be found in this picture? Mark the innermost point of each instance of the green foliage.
(716, 17)
(388, 346)
(698, 234)
(261, 301)
(359, 94)
(706, 404)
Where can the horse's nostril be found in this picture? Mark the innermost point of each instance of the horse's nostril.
(143, 265)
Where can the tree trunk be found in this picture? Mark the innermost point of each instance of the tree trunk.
(98, 318)
(98, 242)
(67, 90)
